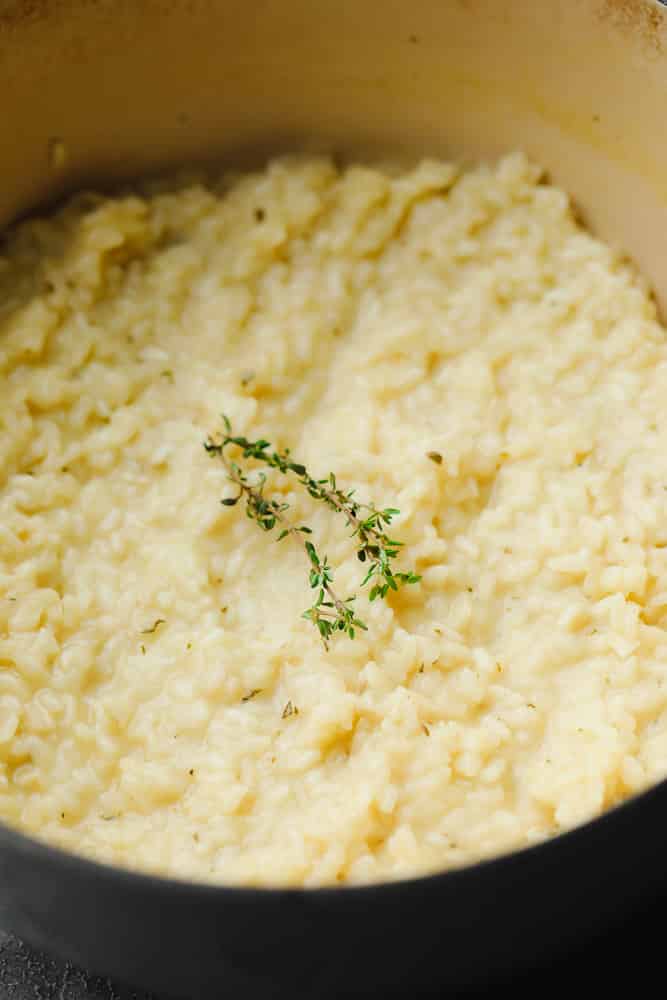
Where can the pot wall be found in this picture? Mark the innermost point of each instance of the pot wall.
(129, 87)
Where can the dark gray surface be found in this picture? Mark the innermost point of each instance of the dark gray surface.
(27, 975)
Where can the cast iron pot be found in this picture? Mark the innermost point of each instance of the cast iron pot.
(97, 91)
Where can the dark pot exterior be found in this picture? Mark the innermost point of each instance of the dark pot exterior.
(448, 931)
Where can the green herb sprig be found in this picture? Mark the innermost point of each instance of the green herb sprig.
(328, 613)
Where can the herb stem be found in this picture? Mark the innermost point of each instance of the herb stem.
(328, 613)
(254, 498)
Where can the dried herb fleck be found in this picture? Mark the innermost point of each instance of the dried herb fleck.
(251, 694)
(289, 709)
(154, 627)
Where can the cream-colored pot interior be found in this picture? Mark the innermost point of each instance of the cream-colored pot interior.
(95, 90)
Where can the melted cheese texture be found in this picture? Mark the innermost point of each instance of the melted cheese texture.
(364, 318)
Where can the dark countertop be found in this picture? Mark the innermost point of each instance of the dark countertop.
(621, 958)
(28, 975)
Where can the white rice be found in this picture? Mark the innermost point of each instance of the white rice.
(364, 318)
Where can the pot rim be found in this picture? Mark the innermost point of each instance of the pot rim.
(31, 848)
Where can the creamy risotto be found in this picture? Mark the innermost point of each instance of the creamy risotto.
(151, 639)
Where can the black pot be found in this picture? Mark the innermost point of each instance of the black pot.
(453, 930)
(129, 87)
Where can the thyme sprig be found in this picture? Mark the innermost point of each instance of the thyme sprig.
(328, 613)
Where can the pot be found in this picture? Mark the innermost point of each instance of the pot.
(99, 91)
